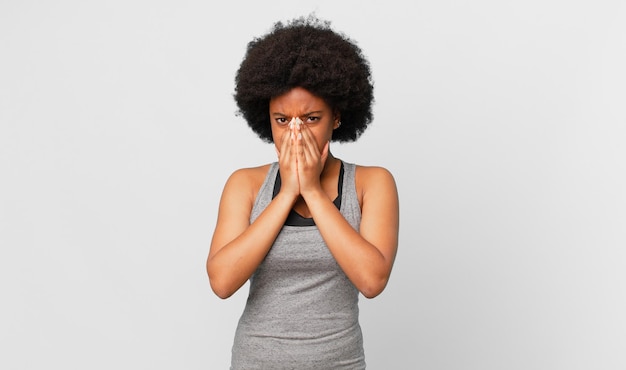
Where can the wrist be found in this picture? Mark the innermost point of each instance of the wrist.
(313, 194)
(286, 196)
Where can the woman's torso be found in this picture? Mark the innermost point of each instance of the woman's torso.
(302, 311)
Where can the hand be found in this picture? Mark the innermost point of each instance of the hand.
(309, 158)
(287, 162)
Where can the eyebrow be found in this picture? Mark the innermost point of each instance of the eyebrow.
(278, 114)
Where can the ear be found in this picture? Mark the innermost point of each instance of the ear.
(337, 120)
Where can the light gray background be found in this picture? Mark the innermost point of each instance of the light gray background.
(503, 123)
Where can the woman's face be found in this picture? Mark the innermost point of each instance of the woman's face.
(312, 110)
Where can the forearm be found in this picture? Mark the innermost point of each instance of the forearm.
(233, 264)
(362, 262)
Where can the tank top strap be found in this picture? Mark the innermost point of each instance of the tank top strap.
(350, 206)
(264, 196)
(347, 203)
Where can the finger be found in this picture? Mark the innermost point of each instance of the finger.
(286, 148)
(284, 142)
(299, 145)
(295, 143)
(309, 143)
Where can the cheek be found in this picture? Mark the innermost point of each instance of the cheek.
(277, 135)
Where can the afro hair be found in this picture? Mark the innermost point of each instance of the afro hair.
(306, 53)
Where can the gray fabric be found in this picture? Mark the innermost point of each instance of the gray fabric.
(302, 311)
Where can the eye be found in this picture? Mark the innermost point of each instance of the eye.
(312, 119)
(281, 121)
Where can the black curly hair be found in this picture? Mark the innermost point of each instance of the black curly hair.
(305, 53)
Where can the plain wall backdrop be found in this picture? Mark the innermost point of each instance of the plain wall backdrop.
(503, 123)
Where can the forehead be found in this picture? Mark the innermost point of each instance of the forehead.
(297, 100)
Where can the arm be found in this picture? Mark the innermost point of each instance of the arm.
(238, 247)
(366, 256)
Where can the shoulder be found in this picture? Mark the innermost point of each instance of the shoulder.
(246, 181)
(370, 175)
(249, 174)
(374, 180)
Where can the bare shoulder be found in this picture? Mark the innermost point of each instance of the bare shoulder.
(367, 176)
(374, 180)
(246, 181)
(249, 174)
(380, 207)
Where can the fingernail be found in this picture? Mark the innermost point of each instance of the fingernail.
(299, 136)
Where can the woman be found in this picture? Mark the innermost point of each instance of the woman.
(309, 231)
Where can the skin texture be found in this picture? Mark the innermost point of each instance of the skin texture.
(309, 174)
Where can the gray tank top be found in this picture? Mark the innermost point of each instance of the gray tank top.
(302, 311)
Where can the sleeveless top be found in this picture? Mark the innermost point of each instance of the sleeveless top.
(302, 311)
